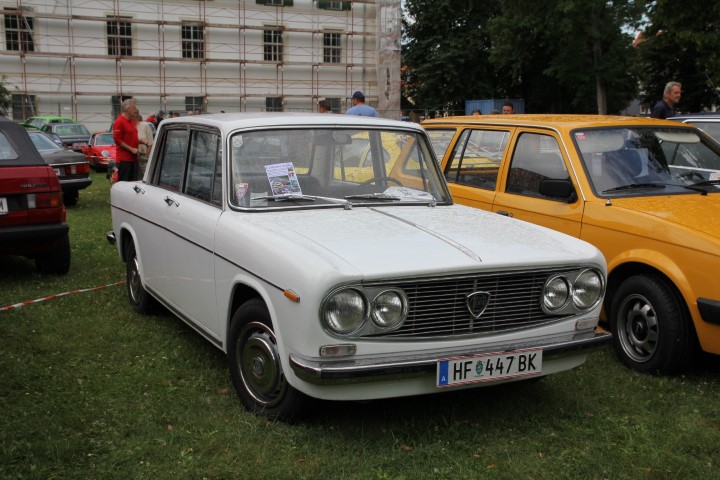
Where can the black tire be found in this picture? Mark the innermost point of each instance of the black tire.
(141, 301)
(255, 366)
(56, 261)
(70, 198)
(652, 331)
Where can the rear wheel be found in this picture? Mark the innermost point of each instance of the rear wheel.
(56, 261)
(70, 198)
(140, 299)
(255, 366)
(651, 330)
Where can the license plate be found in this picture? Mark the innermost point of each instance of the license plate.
(489, 367)
(3, 206)
(57, 171)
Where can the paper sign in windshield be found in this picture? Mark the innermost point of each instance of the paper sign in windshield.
(283, 180)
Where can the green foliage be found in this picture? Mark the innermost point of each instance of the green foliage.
(682, 44)
(568, 56)
(446, 52)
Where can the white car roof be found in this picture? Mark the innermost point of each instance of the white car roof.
(233, 121)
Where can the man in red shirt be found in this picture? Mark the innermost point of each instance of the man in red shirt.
(125, 135)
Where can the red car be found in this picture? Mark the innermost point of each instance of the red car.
(32, 213)
(100, 150)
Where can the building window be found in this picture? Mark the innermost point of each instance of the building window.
(193, 41)
(332, 48)
(273, 104)
(19, 33)
(273, 41)
(195, 104)
(335, 104)
(275, 3)
(23, 107)
(119, 37)
(333, 5)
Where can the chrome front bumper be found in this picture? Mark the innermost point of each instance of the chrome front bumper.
(393, 367)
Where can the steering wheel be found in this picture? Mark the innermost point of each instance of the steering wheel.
(385, 179)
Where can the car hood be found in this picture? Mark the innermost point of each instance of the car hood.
(692, 211)
(410, 240)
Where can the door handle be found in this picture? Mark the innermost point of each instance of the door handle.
(170, 202)
(504, 213)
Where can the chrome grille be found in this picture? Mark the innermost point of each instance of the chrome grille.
(437, 307)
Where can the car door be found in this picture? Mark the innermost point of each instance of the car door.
(473, 163)
(536, 156)
(192, 207)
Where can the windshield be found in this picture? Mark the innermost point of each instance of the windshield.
(647, 160)
(42, 142)
(104, 140)
(331, 166)
(72, 129)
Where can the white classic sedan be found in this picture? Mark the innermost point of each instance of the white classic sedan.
(324, 255)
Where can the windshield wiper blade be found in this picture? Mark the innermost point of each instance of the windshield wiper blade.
(373, 196)
(634, 186)
(288, 196)
(305, 198)
(705, 183)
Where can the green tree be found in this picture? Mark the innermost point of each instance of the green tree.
(681, 43)
(445, 52)
(568, 56)
(5, 97)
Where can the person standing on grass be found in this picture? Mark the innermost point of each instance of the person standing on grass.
(125, 135)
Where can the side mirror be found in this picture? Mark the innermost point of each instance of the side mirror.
(557, 188)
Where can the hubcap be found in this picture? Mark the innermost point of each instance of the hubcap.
(638, 328)
(259, 363)
(134, 283)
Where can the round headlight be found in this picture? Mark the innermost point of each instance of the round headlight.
(344, 312)
(556, 293)
(105, 153)
(587, 290)
(389, 309)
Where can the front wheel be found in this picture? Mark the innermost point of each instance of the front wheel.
(140, 300)
(651, 330)
(255, 367)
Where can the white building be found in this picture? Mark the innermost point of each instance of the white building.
(80, 58)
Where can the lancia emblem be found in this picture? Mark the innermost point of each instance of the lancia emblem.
(477, 302)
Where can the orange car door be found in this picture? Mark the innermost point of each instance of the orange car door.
(473, 163)
(536, 156)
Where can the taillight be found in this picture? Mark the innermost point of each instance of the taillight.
(82, 168)
(44, 200)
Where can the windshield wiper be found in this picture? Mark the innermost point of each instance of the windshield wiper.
(373, 196)
(634, 186)
(288, 196)
(705, 183)
(304, 198)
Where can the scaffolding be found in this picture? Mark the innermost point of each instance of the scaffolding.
(79, 58)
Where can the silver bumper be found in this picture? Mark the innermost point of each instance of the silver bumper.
(393, 367)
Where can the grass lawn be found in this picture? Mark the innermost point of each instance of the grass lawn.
(90, 390)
